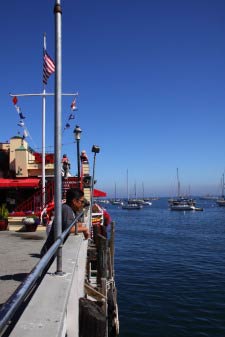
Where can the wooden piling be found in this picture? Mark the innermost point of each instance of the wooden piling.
(111, 246)
(92, 321)
(102, 258)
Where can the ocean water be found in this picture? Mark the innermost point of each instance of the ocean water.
(170, 271)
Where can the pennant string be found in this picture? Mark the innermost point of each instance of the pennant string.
(21, 123)
(26, 133)
(71, 115)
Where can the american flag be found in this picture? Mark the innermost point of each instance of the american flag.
(48, 67)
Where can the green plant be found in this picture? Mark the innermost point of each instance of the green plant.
(3, 212)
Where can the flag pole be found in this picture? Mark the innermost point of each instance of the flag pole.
(58, 130)
(43, 137)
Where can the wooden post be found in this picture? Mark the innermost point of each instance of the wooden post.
(111, 246)
(102, 258)
(105, 304)
(95, 233)
(109, 259)
(92, 321)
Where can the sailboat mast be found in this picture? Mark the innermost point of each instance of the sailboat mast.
(115, 192)
(127, 187)
(135, 191)
(143, 191)
(223, 185)
(178, 184)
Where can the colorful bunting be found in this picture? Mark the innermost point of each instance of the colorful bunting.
(25, 133)
(71, 116)
(15, 100)
(21, 123)
(21, 116)
(73, 105)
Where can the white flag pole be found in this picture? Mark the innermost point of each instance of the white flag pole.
(43, 138)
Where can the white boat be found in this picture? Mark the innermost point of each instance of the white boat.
(116, 201)
(185, 207)
(139, 202)
(182, 203)
(144, 202)
(182, 207)
(221, 201)
(130, 204)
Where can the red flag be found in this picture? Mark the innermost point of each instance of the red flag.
(73, 105)
(15, 100)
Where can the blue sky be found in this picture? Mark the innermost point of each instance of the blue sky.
(151, 83)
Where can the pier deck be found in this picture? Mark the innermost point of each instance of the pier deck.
(19, 253)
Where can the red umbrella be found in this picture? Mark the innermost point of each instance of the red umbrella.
(98, 193)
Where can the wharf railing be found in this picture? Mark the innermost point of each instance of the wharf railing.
(14, 303)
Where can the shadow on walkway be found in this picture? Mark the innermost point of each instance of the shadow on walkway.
(15, 277)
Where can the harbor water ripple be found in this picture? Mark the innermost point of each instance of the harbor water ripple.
(170, 271)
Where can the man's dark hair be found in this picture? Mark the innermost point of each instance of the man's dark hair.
(73, 193)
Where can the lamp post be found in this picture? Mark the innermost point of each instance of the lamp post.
(77, 132)
(95, 149)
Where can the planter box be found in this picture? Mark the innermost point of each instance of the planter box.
(31, 224)
(4, 225)
(31, 227)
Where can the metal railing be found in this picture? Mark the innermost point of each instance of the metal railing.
(12, 305)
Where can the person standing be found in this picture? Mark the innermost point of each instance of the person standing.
(84, 157)
(65, 165)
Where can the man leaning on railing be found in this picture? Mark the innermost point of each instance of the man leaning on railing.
(73, 205)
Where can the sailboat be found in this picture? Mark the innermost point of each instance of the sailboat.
(116, 201)
(130, 205)
(221, 201)
(181, 203)
(139, 201)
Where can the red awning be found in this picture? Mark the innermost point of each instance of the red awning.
(21, 183)
(98, 193)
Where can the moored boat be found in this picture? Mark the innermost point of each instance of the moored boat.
(131, 206)
(185, 207)
(139, 202)
(182, 207)
(221, 201)
(116, 202)
(182, 203)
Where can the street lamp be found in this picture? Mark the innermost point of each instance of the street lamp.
(95, 149)
(77, 132)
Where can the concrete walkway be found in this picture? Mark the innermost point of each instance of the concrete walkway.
(19, 253)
